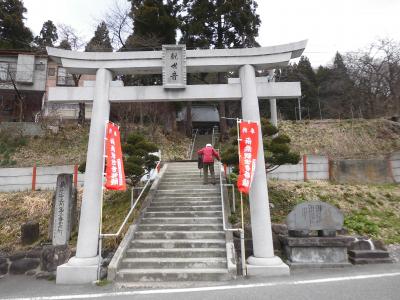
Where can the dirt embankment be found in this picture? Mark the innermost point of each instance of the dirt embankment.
(69, 146)
(356, 138)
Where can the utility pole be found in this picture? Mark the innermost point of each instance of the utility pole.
(299, 104)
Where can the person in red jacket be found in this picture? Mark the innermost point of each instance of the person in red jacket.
(208, 153)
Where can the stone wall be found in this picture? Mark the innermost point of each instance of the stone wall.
(39, 261)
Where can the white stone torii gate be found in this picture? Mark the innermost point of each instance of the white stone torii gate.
(83, 267)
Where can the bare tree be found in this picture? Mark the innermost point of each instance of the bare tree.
(119, 23)
(70, 40)
(376, 74)
(69, 34)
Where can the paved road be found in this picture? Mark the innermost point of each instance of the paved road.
(362, 282)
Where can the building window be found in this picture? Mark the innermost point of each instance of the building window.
(39, 67)
(64, 78)
(52, 71)
(7, 71)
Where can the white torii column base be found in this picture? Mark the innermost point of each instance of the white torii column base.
(83, 268)
(78, 271)
(264, 262)
(267, 267)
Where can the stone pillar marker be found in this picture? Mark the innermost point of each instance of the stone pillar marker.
(83, 267)
(62, 211)
(264, 262)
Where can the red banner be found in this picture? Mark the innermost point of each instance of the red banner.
(115, 175)
(248, 147)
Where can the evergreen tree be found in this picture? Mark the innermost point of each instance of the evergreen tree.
(154, 23)
(48, 35)
(306, 75)
(276, 148)
(138, 160)
(13, 33)
(220, 24)
(303, 72)
(101, 41)
(65, 44)
(336, 89)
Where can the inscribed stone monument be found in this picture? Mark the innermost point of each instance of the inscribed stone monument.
(315, 215)
(325, 250)
(64, 206)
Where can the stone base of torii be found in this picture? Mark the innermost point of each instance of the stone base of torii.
(83, 267)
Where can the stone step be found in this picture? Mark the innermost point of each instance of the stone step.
(193, 192)
(155, 275)
(183, 171)
(179, 227)
(167, 203)
(184, 214)
(184, 208)
(195, 174)
(182, 220)
(179, 182)
(174, 263)
(370, 261)
(200, 186)
(177, 243)
(180, 235)
(185, 198)
(368, 254)
(176, 252)
(187, 177)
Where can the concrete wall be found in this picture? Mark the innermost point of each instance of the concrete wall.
(361, 171)
(20, 179)
(317, 168)
(22, 128)
(395, 165)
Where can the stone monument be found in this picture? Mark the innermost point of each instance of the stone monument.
(64, 210)
(322, 249)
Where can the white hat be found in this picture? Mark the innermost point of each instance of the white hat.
(208, 145)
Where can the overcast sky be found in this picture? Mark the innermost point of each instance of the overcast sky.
(329, 25)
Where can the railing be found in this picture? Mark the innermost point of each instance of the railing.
(240, 230)
(133, 206)
(191, 146)
(215, 135)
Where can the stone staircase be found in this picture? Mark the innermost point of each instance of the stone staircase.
(201, 141)
(180, 236)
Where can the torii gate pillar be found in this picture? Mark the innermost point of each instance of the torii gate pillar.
(84, 266)
(264, 262)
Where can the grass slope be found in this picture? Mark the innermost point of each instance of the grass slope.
(357, 138)
(21, 207)
(372, 210)
(69, 147)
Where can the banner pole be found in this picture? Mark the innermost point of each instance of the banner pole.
(101, 202)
